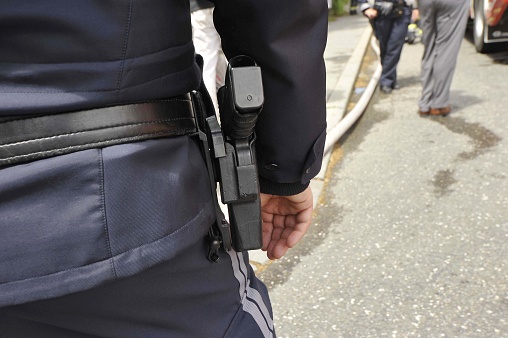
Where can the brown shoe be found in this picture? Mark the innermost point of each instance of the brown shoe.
(422, 112)
(440, 111)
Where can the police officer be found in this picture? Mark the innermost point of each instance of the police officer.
(105, 202)
(390, 20)
(353, 4)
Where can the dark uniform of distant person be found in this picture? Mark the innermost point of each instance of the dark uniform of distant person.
(109, 239)
(390, 20)
(443, 23)
(353, 7)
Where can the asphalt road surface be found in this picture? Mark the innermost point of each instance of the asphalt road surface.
(411, 232)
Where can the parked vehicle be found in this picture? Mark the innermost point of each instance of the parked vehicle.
(490, 22)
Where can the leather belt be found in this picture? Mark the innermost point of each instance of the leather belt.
(42, 136)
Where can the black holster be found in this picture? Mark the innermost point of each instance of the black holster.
(230, 155)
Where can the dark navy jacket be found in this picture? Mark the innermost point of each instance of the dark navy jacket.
(61, 55)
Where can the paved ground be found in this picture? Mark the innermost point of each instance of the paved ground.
(411, 231)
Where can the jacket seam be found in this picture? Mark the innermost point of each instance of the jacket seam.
(104, 215)
(124, 52)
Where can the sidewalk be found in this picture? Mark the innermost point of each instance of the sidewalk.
(348, 38)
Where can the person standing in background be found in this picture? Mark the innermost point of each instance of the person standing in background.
(353, 5)
(206, 43)
(443, 23)
(390, 20)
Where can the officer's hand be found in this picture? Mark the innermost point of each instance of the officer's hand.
(285, 220)
(371, 13)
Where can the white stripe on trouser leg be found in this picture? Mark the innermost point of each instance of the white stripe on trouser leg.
(251, 300)
(254, 294)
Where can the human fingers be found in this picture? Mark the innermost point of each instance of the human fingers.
(277, 250)
(301, 225)
(266, 229)
(287, 232)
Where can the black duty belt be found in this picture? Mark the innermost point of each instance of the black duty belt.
(36, 137)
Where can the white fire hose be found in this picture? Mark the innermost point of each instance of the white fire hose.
(345, 123)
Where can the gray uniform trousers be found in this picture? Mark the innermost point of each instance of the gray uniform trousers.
(443, 23)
